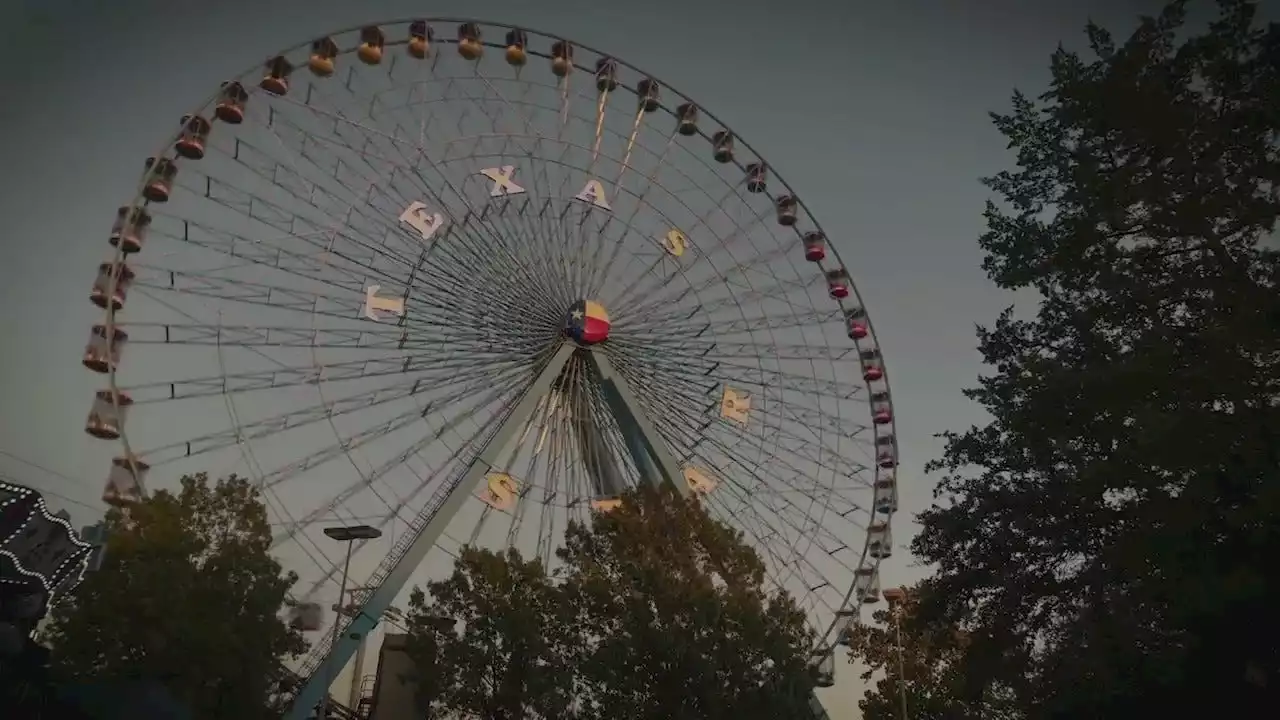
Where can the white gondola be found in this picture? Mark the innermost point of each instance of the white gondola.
(824, 668)
(125, 482)
(845, 622)
(307, 617)
(881, 541)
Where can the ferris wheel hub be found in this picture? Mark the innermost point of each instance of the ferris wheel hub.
(587, 322)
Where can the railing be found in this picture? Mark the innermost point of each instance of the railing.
(364, 708)
(819, 712)
(336, 710)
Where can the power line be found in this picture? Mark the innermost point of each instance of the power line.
(99, 508)
(9, 478)
(79, 482)
(42, 468)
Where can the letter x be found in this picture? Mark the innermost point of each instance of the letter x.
(502, 182)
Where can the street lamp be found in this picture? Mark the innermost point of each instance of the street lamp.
(346, 534)
(392, 614)
(896, 597)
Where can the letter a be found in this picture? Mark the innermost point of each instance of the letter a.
(593, 192)
(502, 182)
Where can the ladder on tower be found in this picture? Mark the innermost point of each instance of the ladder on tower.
(364, 707)
(815, 706)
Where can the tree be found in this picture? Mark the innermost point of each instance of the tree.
(1116, 521)
(657, 611)
(492, 641)
(903, 648)
(187, 597)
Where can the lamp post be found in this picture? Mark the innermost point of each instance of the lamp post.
(345, 534)
(351, 609)
(393, 616)
(896, 597)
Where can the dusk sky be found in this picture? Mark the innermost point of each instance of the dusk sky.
(876, 113)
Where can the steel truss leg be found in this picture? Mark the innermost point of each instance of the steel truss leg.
(598, 459)
(651, 455)
(381, 598)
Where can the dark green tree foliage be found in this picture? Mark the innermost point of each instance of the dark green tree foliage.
(901, 647)
(676, 616)
(657, 612)
(1117, 518)
(492, 640)
(188, 596)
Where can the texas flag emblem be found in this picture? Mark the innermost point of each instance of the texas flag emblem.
(587, 322)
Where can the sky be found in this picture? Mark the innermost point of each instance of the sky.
(876, 113)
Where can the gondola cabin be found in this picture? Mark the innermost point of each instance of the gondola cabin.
(129, 230)
(881, 542)
(885, 496)
(871, 593)
(102, 353)
(161, 172)
(371, 45)
(306, 617)
(823, 667)
(193, 141)
(786, 206)
(230, 107)
(881, 412)
(856, 324)
(846, 620)
(561, 58)
(757, 177)
(111, 274)
(606, 74)
(516, 54)
(838, 283)
(872, 365)
(323, 59)
(125, 482)
(687, 119)
(276, 78)
(469, 45)
(886, 452)
(420, 36)
(649, 92)
(105, 420)
(722, 146)
(815, 246)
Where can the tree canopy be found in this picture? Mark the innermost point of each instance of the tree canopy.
(900, 647)
(1112, 532)
(187, 597)
(655, 611)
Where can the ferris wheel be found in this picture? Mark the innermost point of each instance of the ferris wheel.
(465, 282)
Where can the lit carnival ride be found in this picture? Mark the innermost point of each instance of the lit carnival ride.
(465, 282)
(42, 559)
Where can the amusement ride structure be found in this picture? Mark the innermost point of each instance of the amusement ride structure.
(464, 282)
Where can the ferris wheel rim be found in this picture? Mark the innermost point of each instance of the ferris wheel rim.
(738, 138)
(855, 299)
